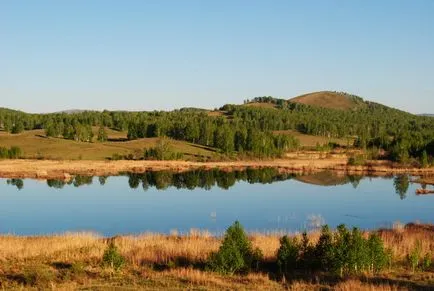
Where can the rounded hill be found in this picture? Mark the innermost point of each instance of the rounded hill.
(330, 99)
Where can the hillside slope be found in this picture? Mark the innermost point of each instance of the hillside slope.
(332, 100)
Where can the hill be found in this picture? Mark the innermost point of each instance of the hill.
(325, 178)
(71, 111)
(331, 100)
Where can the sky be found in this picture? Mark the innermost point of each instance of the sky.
(162, 54)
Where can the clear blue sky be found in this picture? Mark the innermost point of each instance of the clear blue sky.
(146, 55)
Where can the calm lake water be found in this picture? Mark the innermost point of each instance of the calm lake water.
(262, 200)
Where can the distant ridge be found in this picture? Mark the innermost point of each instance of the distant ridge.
(331, 100)
(426, 114)
(72, 111)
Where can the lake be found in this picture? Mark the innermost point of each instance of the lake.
(262, 200)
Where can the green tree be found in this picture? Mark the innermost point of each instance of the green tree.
(102, 134)
(287, 255)
(377, 255)
(424, 160)
(112, 257)
(18, 127)
(235, 254)
(401, 183)
(324, 250)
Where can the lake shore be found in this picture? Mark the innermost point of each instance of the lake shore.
(64, 169)
(177, 262)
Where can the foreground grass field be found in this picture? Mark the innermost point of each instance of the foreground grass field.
(153, 261)
(35, 144)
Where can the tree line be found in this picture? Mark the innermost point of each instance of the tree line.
(249, 130)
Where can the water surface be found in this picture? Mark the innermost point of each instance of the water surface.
(262, 200)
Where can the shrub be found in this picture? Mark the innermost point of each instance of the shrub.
(235, 254)
(38, 275)
(287, 255)
(324, 250)
(424, 162)
(426, 262)
(112, 258)
(116, 157)
(13, 153)
(162, 151)
(344, 252)
(415, 256)
(377, 255)
(306, 258)
(102, 134)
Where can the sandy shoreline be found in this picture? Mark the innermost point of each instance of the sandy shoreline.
(50, 169)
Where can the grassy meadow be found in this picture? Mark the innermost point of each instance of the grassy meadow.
(156, 261)
(35, 144)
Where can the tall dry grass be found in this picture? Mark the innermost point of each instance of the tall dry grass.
(151, 248)
(178, 254)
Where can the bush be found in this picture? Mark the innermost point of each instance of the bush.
(116, 157)
(112, 258)
(235, 254)
(38, 275)
(12, 153)
(414, 257)
(377, 256)
(345, 252)
(162, 151)
(287, 255)
(324, 250)
(424, 162)
(426, 262)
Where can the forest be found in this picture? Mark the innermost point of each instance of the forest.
(250, 131)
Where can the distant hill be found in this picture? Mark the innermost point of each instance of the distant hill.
(325, 178)
(427, 115)
(332, 100)
(72, 111)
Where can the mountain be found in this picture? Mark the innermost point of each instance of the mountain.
(427, 115)
(330, 99)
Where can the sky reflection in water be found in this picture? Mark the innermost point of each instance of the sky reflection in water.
(161, 202)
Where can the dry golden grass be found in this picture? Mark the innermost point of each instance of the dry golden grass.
(326, 99)
(403, 240)
(72, 260)
(355, 285)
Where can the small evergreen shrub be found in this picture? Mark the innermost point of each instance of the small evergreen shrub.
(324, 250)
(112, 258)
(378, 257)
(287, 255)
(344, 252)
(235, 255)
